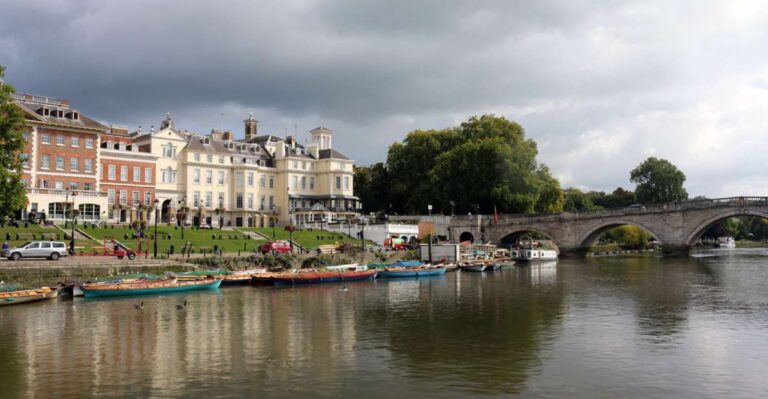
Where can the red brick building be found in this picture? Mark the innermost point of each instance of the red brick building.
(61, 158)
(127, 176)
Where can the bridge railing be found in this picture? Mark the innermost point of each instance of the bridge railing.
(699, 203)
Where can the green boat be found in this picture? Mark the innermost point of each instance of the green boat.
(145, 287)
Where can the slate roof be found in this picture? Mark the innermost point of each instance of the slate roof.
(32, 104)
(331, 153)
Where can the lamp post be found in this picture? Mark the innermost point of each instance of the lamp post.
(157, 203)
(183, 214)
(362, 234)
(429, 209)
(72, 232)
(66, 205)
(273, 221)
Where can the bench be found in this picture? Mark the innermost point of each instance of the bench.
(25, 236)
(49, 236)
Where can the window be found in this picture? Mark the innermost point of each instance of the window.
(110, 197)
(250, 201)
(303, 165)
(303, 182)
(75, 141)
(221, 200)
(261, 203)
(209, 158)
(271, 202)
(88, 167)
(59, 162)
(25, 136)
(123, 197)
(147, 175)
(24, 160)
(239, 200)
(346, 182)
(169, 151)
(147, 198)
(87, 186)
(135, 198)
(59, 140)
(124, 173)
(238, 179)
(271, 182)
(74, 164)
(338, 182)
(295, 164)
(59, 185)
(311, 183)
(221, 159)
(197, 157)
(250, 179)
(196, 175)
(88, 143)
(111, 172)
(295, 182)
(89, 211)
(221, 177)
(43, 183)
(136, 174)
(208, 199)
(45, 139)
(196, 198)
(341, 165)
(263, 181)
(73, 186)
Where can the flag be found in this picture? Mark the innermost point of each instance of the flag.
(495, 216)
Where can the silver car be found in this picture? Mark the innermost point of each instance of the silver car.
(37, 249)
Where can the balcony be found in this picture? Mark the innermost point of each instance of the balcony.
(64, 193)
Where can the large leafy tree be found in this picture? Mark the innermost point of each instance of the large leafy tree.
(12, 193)
(658, 180)
(484, 163)
(372, 186)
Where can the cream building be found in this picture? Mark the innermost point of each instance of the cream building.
(254, 181)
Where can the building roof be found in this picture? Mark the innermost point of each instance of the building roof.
(330, 153)
(54, 112)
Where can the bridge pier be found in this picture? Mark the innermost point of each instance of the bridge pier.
(573, 253)
(675, 250)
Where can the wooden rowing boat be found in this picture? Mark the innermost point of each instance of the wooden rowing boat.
(24, 296)
(162, 286)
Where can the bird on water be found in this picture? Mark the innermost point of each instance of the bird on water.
(180, 307)
(139, 306)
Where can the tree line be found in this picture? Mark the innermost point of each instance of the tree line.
(487, 165)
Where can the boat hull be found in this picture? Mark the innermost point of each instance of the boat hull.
(411, 272)
(474, 268)
(28, 296)
(322, 277)
(164, 289)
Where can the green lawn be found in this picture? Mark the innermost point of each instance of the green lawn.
(305, 238)
(33, 229)
(231, 241)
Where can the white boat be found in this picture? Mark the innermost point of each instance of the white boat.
(726, 242)
(23, 296)
(535, 254)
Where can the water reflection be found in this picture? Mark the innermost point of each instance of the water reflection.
(571, 328)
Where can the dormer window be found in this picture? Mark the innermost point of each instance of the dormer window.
(230, 145)
(206, 140)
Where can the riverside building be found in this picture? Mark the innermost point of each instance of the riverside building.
(114, 176)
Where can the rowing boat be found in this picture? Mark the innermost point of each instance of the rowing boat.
(162, 286)
(423, 271)
(24, 296)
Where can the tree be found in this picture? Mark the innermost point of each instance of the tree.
(658, 181)
(372, 186)
(578, 201)
(14, 196)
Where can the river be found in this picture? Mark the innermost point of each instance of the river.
(603, 327)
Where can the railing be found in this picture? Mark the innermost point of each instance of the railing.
(39, 99)
(64, 193)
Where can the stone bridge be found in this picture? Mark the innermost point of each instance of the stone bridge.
(676, 226)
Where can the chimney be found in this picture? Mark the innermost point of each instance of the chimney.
(167, 122)
(228, 136)
(251, 127)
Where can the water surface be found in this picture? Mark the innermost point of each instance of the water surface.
(605, 327)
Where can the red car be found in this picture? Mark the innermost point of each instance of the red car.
(280, 246)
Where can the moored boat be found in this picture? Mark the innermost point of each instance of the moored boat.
(162, 286)
(474, 267)
(423, 271)
(240, 277)
(321, 276)
(24, 296)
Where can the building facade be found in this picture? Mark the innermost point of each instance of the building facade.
(111, 175)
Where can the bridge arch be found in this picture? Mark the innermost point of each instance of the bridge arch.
(466, 236)
(697, 231)
(588, 239)
(518, 231)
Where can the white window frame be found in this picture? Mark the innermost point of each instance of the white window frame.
(147, 175)
(124, 173)
(136, 174)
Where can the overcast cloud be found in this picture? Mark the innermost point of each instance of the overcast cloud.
(599, 85)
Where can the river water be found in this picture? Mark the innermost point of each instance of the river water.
(605, 327)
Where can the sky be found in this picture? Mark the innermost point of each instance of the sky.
(599, 85)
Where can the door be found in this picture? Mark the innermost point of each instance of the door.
(45, 249)
(31, 250)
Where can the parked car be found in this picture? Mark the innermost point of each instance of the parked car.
(37, 249)
(281, 246)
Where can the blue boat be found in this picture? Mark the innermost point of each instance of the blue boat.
(411, 272)
(163, 286)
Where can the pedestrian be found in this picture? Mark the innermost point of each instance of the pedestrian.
(5, 246)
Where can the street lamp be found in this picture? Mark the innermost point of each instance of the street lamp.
(362, 234)
(182, 214)
(429, 209)
(273, 220)
(72, 232)
(157, 203)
